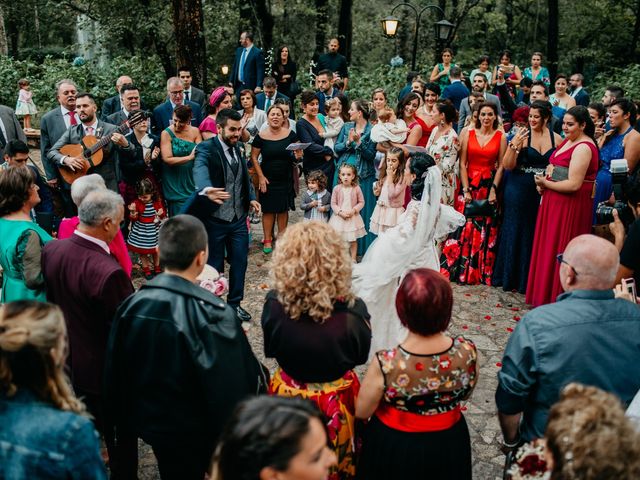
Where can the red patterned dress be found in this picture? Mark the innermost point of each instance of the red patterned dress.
(469, 253)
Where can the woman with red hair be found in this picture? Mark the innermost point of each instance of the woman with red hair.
(412, 394)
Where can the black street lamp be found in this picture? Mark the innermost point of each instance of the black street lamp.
(443, 28)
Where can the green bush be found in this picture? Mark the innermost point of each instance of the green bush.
(364, 81)
(628, 78)
(99, 81)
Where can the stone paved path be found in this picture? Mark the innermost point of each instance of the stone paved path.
(483, 314)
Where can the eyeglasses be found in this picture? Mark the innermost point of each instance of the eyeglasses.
(562, 260)
(175, 94)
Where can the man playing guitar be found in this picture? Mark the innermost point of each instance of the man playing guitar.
(104, 160)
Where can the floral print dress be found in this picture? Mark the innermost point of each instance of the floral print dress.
(444, 151)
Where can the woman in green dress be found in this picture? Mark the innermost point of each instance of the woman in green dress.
(21, 239)
(177, 147)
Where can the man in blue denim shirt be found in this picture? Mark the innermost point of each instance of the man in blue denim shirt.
(587, 336)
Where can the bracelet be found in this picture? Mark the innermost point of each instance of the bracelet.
(494, 186)
(511, 445)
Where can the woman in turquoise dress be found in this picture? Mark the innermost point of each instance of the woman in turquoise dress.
(536, 71)
(21, 239)
(621, 141)
(440, 73)
(177, 147)
(355, 147)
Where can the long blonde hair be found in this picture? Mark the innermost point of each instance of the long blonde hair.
(29, 330)
(311, 269)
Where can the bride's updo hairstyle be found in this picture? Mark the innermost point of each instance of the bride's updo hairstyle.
(419, 163)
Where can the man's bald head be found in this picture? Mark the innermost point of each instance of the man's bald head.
(595, 263)
(123, 80)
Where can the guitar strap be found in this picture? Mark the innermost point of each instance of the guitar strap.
(84, 149)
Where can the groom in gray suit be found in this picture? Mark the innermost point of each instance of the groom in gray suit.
(90, 125)
(479, 84)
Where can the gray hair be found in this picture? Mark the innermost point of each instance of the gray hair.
(455, 72)
(98, 205)
(83, 186)
(173, 81)
(65, 80)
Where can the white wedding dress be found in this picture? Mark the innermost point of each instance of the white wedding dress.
(409, 245)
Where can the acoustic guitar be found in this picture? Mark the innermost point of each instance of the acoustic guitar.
(90, 148)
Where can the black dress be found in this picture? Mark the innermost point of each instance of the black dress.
(521, 202)
(277, 166)
(284, 85)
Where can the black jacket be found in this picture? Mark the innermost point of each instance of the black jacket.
(178, 362)
(133, 167)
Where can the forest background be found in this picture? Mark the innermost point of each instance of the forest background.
(95, 41)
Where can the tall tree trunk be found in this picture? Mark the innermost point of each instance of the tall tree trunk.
(248, 18)
(4, 48)
(188, 27)
(345, 23)
(322, 25)
(508, 12)
(552, 37)
(12, 30)
(263, 12)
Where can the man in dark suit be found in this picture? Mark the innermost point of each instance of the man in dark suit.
(130, 96)
(10, 128)
(113, 104)
(90, 125)
(88, 284)
(163, 113)
(191, 93)
(478, 84)
(53, 125)
(325, 89)
(269, 94)
(172, 332)
(335, 62)
(248, 66)
(225, 196)
(456, 91)
(577, 90)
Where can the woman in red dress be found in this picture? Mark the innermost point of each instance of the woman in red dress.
(427, 113)
(567, 202)
(469, 253)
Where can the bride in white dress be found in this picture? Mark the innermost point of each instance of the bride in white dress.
(408, 245)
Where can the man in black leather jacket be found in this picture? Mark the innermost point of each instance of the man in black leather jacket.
(178, 359)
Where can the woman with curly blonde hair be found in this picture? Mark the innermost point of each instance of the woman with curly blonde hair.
(47, 433)
(317, 330)
(588, 437)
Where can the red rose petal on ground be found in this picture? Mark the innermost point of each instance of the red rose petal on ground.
(516, 318)
(509, 329)
(515, 309)
(487, 317)
(464, 409)
(498, 305)
(498, 364)
(464, 327)
(467, 294)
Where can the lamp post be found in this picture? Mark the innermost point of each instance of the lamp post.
(443, 28)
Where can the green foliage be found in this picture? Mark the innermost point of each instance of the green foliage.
(628, 78)
(363, 81)
(99, 81)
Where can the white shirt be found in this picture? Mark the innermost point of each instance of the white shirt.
(101, 243)
(575, 92)
(66, 117)
(94, 125)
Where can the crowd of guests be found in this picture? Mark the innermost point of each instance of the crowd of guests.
(177, 192)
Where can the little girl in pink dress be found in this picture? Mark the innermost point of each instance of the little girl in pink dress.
(390, 190)
(346, 202)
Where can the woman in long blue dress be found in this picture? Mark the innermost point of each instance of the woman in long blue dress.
(621, 141)
(354, 146)
(528, 154)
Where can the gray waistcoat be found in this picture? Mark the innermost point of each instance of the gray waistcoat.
(234, 206)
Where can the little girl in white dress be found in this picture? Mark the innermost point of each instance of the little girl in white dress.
(334, 122)
(389, 189)
(346, 202)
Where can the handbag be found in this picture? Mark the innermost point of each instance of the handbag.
(479, 208)
(295, 89)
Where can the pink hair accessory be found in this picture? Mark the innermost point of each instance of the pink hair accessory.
(216, 95)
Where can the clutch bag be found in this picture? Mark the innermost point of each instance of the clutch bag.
(559, 173)
(479, 208)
